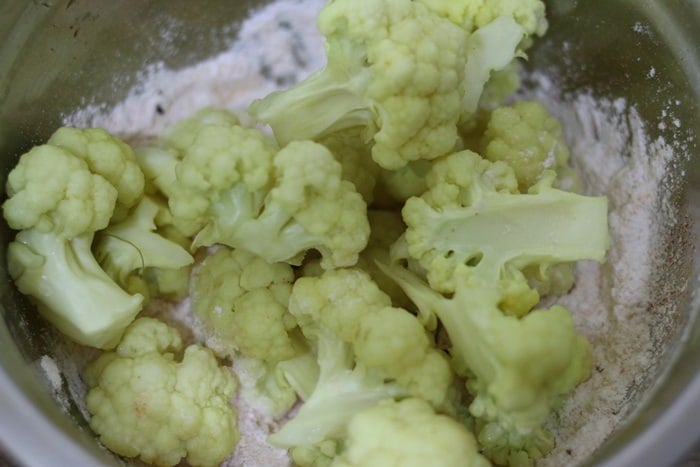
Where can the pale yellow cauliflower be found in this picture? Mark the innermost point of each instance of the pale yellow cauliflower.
(242, 301)
(408, 434)
(152, 400)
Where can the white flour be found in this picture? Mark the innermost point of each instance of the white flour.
(280, 45)
(276, 47)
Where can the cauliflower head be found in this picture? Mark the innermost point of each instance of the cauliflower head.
(57, 203)
(393, 68)
(529, 139)
(242, 300)
(408, 433)
(231, 185)
(512, 397)
(153, 400)
(472, 214)
(366, 350)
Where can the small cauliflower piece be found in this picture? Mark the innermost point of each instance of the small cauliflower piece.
(529, 139)
(242, 301)
(408, 434)
(150, 399)
(394, 187)
(339, 297)
(138, 257)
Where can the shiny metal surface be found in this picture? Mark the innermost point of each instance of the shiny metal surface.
(58, 55)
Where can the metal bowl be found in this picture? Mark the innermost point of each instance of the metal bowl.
(58, 55)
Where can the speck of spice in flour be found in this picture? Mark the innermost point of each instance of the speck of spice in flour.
(279, 45)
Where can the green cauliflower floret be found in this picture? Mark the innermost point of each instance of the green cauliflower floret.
(529, 139)
(518, 369)
(394, 187)
(472, 214)
(386, 227)
(138, 257)
(355, 158)
(231, 185)
(393, 68)
(58, 202)
(109, 157)
(153, 400)
(366, 350)
(502, 84)
(407, 433)
(242, 300)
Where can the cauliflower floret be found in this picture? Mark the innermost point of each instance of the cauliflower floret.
(394, 69)
(408, 434)
(366, 350)
(242, 300)
(231, 185)
(512, 398)
(530, 140)
(58, 202)
(394, 187)
(320, 298)
(472, 214)
(145, 403)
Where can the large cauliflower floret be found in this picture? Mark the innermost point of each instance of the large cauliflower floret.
(496, 352)
(530, 140)
(472, 214)
(394, 68)
(50, 189)
(231, 185)
(152, 400)
(366, 350)
(242, 301)
(408, 434)
(58, 202)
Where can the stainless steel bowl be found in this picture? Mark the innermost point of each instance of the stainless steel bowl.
(57, 55)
